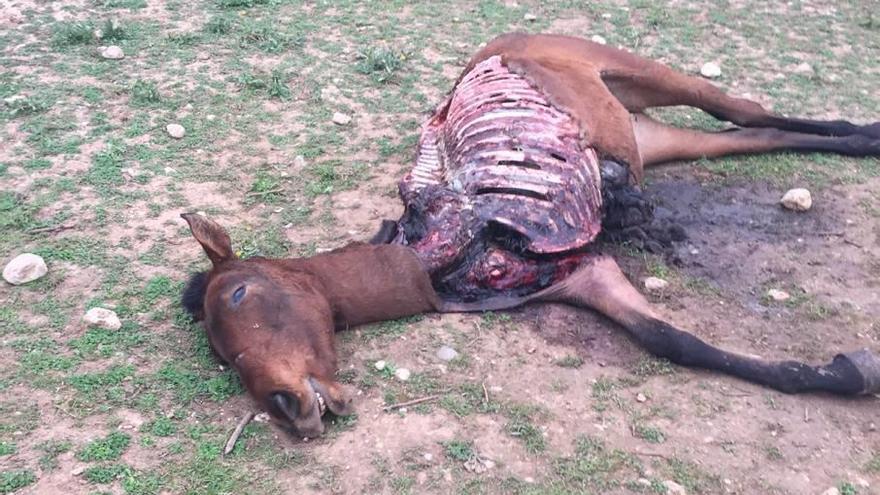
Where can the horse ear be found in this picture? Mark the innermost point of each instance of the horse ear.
(214, 240)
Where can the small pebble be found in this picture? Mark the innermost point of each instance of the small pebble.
(598, 39)
(831, 491)
(102, 318)
(778, 295)
(797, 199)
(447, 353)
(380, 365)
(77, 471)
(112, 52)
(299, 161)
(641, 397)
(655, 284)
(530, 17)
(710, 70)
(673, 488)
(340, 118)
(175, 130)
(24, 268)
(402, 374)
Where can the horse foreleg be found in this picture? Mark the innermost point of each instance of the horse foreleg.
(601, 285)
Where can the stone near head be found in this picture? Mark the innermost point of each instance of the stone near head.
(24, 268)
(102, 318)
(797, 199)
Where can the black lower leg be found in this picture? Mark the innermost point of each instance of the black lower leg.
(847, 375)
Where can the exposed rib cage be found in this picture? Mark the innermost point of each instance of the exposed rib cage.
(514, 157)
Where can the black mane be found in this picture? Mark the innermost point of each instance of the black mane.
(193, 297)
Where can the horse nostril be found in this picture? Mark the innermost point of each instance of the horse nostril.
(284, 403)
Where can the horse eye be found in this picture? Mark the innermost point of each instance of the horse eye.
(238, 294)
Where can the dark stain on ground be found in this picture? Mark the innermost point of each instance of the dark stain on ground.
(740, 242)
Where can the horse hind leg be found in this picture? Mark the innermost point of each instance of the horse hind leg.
(640, 83)
(658, 142)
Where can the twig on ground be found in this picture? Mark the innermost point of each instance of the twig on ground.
(50, 228)
(263, 193)
(230, 444)
(411, 402)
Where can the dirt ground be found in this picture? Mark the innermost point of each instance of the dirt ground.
(545, 399)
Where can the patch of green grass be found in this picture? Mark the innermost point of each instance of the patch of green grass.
(333, 176)
(188, 384)
(51, 450)
(105, 474)
(390, 328)
(7, 448)
(773, 453)
(847, 488)
(144, 93)
(124, 4)
(264, 36)
(694, 479)
(873, 465)
(593, 468)
(16, 479)
(220, 24)
(112, 31)
(459, 450)
(27, 105)
(106, 170)
(380, 63)
(266, 188)
(108, 448)
(572, 361)
(106, 381)
(278, 87)
(650, 434)
(36, 164)
(521, 427)
(159, 288)
(100, 342)
(73, 33)
(651, 366)
(238, 4)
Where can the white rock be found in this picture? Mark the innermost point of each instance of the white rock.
(530, 17)
(112, 52)
(428, 457)
(77, 471)
(299, 161)
(598, 39)
(778, 295)
(447, 353)
(380, 365)
(175, 130)
(24, 268)
(803, 68)
(102, 318)
(797, 199)
(262, 417)
(340, 118)
(831, 491)
(673, 488)
(402, 374)
(641, 397)
(655, 284)
(710, 70)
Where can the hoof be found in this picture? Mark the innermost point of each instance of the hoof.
(868, 365)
